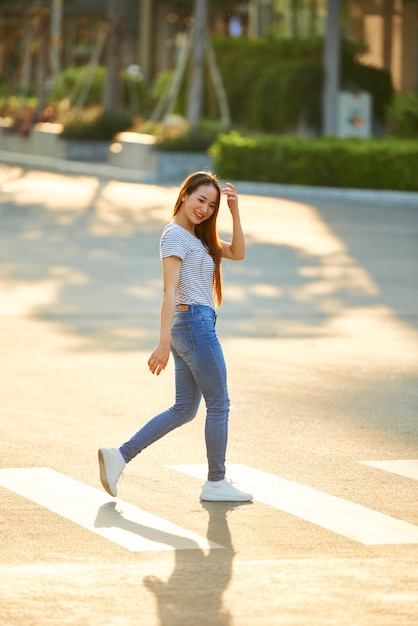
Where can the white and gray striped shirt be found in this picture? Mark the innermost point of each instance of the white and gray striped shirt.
(197, 267)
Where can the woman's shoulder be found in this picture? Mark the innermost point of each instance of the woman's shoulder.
(175, 239)
(172, 227)
(172, 232)
(175, 231)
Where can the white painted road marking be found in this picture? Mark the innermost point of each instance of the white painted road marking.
(335, 514)
(112, 518)
(408, 468)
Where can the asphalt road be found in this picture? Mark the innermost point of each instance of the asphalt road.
(320, 331)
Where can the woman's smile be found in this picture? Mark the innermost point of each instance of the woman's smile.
(197, 207)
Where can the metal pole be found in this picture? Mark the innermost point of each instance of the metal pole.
(331, 65)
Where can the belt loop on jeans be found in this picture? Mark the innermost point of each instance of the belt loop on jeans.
(182, 307)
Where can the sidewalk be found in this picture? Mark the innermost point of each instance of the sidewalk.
(103, 170)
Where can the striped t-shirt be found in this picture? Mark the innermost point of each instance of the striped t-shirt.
(197, 267)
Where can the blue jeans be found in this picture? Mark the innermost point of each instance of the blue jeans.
(199, 370)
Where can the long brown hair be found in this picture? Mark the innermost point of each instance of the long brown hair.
(206, 231)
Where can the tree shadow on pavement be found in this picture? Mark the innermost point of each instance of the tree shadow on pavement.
(383, 238)
(95, 273)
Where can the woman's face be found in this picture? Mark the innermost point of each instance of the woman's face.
(200, 205)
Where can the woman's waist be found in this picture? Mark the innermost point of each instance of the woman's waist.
(193, 309)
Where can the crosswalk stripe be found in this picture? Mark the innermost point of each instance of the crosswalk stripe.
(407, 468)
(112, 518)
(340, 516)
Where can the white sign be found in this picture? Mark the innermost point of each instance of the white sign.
(354, 114)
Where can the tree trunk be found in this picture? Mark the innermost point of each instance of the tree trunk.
(31, 29)
(295, 8)
(56, 37)
(219, 86)
(102, 35)
(195, 96)
(111, 90)
(41, 68)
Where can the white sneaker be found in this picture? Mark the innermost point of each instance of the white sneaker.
(111, 464)
(225, 491)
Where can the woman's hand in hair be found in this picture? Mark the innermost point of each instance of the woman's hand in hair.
(235, 249)
(231, 197)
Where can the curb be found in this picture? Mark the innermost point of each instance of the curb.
(82, 168)
(331, 193)
(103, 170)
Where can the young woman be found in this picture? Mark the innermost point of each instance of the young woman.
(191, 254)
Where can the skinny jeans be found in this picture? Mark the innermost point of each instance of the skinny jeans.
(200, 370)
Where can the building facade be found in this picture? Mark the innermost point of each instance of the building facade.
(151, 29)
(390, 30)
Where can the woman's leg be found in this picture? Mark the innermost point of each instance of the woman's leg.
(206, 362)
(186, 404)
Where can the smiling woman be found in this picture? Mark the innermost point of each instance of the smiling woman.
(191, 254)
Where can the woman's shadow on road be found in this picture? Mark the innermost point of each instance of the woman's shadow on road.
(193, 594)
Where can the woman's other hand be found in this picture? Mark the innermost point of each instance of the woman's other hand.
(159, 359)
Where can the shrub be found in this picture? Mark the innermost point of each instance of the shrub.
(402, 116)
(69, 83)
(328, 162)
(134, 92)
(96, 124)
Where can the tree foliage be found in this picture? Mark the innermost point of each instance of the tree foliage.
(273, 83)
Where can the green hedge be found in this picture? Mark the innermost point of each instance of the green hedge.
(328, 162)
